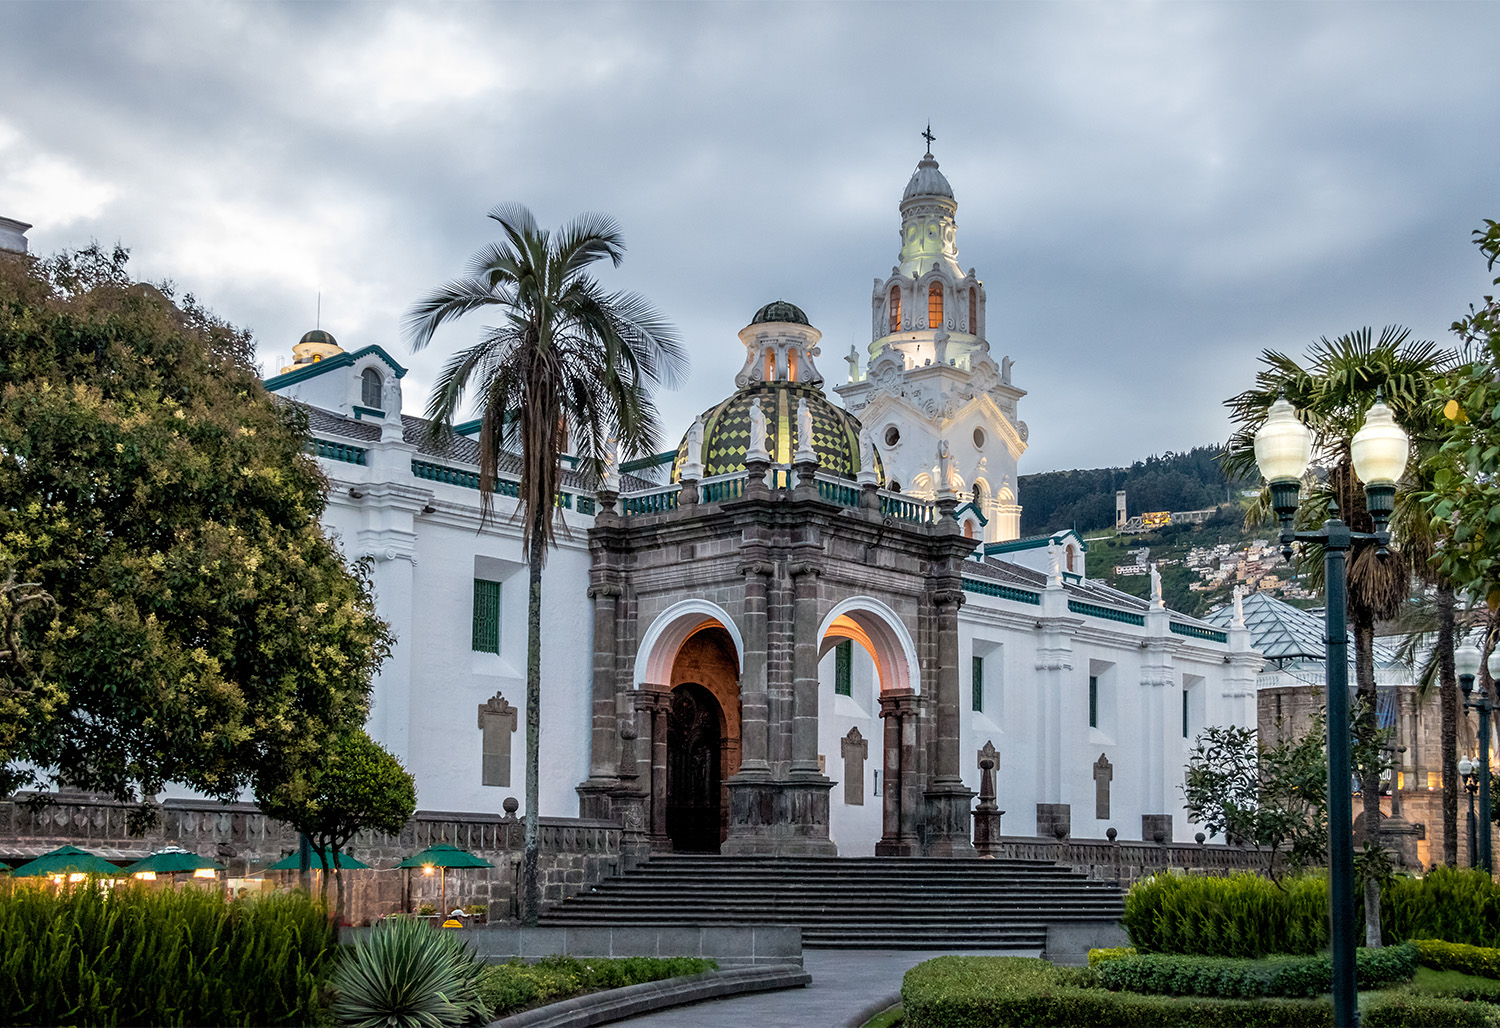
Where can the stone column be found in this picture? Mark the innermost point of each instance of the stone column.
(805, 670)
(604, 756)
(654, 701)
(900, 799)
(948, 798)
(754, 708)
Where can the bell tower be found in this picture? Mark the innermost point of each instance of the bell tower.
(930, 378)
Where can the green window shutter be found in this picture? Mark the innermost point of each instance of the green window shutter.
(1184, 713)
(843, 668)
(978, 683)
(1093, 701)
(486, 616)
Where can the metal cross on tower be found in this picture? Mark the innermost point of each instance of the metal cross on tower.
(929, 137)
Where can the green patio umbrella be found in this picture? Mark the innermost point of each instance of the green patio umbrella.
(66, 860)
(443, 855)
(342, 861)
(172, 860)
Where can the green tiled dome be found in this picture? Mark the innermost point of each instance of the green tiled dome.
(726, 430)
(317, 335)
(780, 310)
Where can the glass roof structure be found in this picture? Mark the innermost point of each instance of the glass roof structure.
(1283, 633)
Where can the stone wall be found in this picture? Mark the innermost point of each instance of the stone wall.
(1127, 862)
(575, 853)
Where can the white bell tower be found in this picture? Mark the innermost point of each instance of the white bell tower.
(930, 377)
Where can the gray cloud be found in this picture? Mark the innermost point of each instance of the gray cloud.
(1152, 193)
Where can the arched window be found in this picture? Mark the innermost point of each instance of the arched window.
(935, 305)
(968, 529)
(791, 365)
(1071, 569)
(973, 310)
(770, 375)
(978, 493)
(895, 308)
(369, 388)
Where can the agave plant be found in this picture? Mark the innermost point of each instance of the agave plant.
(404, 974)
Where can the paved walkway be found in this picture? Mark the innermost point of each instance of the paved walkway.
(845, 983)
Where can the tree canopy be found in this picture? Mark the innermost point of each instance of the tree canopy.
(197, 627)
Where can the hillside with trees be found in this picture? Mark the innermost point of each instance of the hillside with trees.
(1085, 500)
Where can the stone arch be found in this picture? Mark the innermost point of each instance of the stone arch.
(877, 628)
(671, 628)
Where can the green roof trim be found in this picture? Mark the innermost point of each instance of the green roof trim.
(342, 360)
(656, 460)
(1005, 592)
(970, 506)
(1032, 542)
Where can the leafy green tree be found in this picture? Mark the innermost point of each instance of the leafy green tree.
(1272, 796)
(356, 786)
(198, 626)
(569, 366)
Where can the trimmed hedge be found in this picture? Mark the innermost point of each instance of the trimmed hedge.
(1236, 978)
(963, 992)
(1241, 915)
(1400, 1009)
(1455, 956)
(1455, 984)
(507, 988)
(1098, 956)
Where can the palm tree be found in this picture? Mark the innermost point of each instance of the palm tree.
(568, 365)
(1342, 378)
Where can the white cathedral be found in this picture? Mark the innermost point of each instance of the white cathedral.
(800, 631)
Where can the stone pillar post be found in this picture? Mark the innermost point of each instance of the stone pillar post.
(754, 706)
(900, 799)
(604, 756)
(987, 814)
(805, 670)
(654, 701)
(947, 797)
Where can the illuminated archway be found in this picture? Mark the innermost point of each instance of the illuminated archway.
(673, 627)
(880, 631)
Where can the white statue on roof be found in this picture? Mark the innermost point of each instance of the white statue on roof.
(1156, 601)
(757, 447)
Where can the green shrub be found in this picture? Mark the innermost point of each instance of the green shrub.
(1098, 956)
(1455, 956)
(1238, 978)
(1402, 1009)
(1447, 903)
(1242, 915)
(506, 988)
(404, 974)
(136, 955)
(962, 992)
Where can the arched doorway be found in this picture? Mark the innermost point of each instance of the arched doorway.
(695, 736)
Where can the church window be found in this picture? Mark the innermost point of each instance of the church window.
(935, 305)
(791, 365)
(968, 529)
(1184, 713)
(369, 388)
(892, 435)
(770, 375)
(976, 686)
(978, 438)
(1093, 701)
(1071, 569)
(486, 638)
(978, 493)
(894, 486)
(843, 668)
(973, 310)
(895, 308)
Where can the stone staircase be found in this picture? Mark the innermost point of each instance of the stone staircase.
(852, 902)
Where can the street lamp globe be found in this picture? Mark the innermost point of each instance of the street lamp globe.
(1379, 449)
(1494, 665)
(1466, 664)
(1283, 445)
(1466, 767)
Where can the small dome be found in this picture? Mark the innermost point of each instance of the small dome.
(726, 430)
(317, 335)
(927, 181)
(780, 310)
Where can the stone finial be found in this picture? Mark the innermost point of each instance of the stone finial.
(988, 752)
(1104, 773)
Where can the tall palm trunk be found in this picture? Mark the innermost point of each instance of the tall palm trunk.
(1448, 701)
(531, 889)
(1369, 782)
(338, 910)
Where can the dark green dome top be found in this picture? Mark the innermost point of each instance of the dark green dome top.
(726, 430)
(780, 310)
(317, 335)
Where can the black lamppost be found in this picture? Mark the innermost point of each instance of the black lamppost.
(1471, 786)
(1283, 446)
(1466, 662)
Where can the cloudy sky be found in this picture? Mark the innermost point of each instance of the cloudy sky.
(1152, 193)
